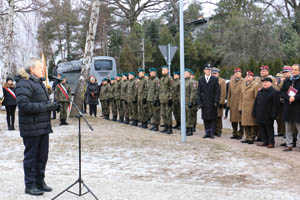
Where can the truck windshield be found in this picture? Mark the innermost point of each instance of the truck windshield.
(103, 65)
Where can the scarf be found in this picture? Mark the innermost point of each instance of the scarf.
(293, 78)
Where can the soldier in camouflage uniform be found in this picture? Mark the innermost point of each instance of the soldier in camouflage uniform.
(147, 109)
(153, 99)
(176, 98)
(124, 111)
(142, 92)
(190, 101)
(112, 100)
(195, 108)
(165, 98)
(104, 99)
(62, 93)
(117, 94)
(132, 98)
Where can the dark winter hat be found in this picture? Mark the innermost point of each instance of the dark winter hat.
(9, 78)
(132, 73)
(267, 79)
(152, 69)
(141, 70)
(125, 74)
(264, 67)
(215, 70)
(177, 73)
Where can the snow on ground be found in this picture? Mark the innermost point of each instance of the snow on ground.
(121, 162)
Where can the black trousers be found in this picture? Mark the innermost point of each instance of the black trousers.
(210, 126)
(267, 133)
(10, 114)
(93, 109)
(35, 159)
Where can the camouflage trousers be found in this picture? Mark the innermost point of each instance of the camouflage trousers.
(124, 110)
(133, 111)
(63, 113)
(195, 110)
(105, 105)
(154, 112)
(142, 111)
(118, 104)
(190, 117)
(176, 111)
(166, 114)
(114, 108)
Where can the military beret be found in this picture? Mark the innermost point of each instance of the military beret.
(287, 69)
(188, 70)
(215, 70)
(137, 77)
(112, 79)
(177, 73)
(249, 73)
(141, 70)
(264, 67)
(118, 75)
(237, 69)
(207, 66)
(125, 74)
(105, 79)
(62, 76)
(165, 67)
(267, 79)
(132, 73)
(152, 69)
(146, 74)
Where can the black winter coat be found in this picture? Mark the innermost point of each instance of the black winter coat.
(32, 97)
(291, 112)
(266, 106)
(209, 96)
(92, 88)
(9, 100)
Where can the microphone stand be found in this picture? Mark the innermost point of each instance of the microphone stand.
(80, 182)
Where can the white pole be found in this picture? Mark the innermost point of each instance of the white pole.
(169, 58)
(182, 80)
(143, 41)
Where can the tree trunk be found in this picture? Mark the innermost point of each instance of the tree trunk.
(8, 47)
(88, 55)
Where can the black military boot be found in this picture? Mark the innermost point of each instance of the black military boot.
(155, 127)
(61, 122)
(189, 132)
(33, 191)
(193, 130)
(43, 186)
(145, 125)
(106, 117)
(126, 120)
(134, 123)
(169, 131)
(65, 122)
(121, 119)
(114, 118)
(165, 129)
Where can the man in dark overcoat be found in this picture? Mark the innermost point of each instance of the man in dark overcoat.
(208, 99)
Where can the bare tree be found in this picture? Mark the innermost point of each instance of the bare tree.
(88, 55)
(132, 9)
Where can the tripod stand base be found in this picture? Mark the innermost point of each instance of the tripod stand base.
(81, 186)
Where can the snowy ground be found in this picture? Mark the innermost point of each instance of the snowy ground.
(121, 162)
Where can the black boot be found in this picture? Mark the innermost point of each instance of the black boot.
(134, 123)
(43, 186)
(114, 118)
(189, 132)
(106, 117)
(193, 130)
(165, 129)
(126, 120)
(61, 122)
(155, 128)
(121, 119)
(151, 129)
(65, 122)
(169, 131)
(33, 191)
(145, 126)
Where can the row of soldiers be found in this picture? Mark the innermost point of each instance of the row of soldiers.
(149, 99)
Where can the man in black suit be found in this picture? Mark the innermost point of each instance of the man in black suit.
(208, 99)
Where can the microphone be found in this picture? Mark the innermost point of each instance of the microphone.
(55, 78)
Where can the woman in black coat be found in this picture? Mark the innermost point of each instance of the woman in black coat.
(9, 93)
(265, 111)
(92, 93)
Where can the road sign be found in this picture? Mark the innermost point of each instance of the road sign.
(168, 53)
